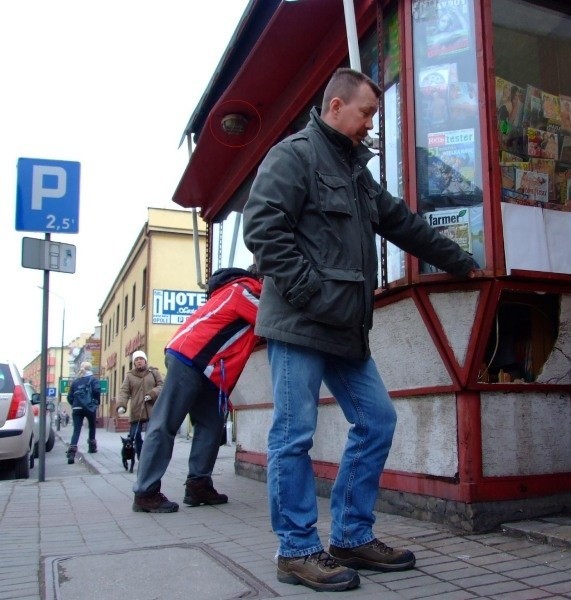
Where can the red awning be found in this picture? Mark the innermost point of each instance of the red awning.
(296, 52)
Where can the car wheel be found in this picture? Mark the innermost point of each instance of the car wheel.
(36, 453)
(22, 467)
(32, 460)
(51, 440)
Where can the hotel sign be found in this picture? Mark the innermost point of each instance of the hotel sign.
(172, 307)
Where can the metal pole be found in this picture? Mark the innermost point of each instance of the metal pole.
(352, 38)
(44, 374)
(58, 425)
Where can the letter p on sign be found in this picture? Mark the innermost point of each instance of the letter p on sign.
(41, 176)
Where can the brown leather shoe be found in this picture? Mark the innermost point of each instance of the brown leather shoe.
(201, 491)
(375, 556)
(154, 503)
(318, 571)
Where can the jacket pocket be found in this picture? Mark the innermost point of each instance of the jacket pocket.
(371, 196)
(334, 195)
(339, 301)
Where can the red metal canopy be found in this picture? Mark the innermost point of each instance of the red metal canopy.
(301, 44)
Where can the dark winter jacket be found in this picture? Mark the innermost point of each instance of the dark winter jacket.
(310, 221)
(93, 382)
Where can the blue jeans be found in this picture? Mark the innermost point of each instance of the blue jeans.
(297, 374)
(185, 391)
(78, 415)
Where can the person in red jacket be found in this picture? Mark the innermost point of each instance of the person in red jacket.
(204, 360)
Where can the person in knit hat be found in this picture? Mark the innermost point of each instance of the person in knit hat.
(142, 385)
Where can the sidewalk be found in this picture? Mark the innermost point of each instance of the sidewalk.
(89, 544)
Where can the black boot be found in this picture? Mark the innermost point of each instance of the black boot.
(201, 491)
(92, 446)
(71, 454)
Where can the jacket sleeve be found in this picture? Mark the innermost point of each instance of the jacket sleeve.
(70, 394)
(96, 389)
(409, 231)
(154, 393)
(247, 303)
(124, 393)
(271, 213)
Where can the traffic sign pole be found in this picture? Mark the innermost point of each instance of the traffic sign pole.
(47, 200)
(43, 376)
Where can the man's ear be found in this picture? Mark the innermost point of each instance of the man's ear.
(335, 105)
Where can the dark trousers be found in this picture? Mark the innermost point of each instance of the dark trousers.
(186, 391)
(136, 433)
(78, 415)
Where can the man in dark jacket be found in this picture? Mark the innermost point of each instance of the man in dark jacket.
(311, 220)
(205, 358)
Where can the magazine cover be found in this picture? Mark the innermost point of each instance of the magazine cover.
(563, 186)
(532, 183)
(508, 157)
(547, 166)
(462, 100)
(565, 155)
(565, 112)
(510, 101)
(542, 144)
(447, 28)
(508, 177)
(532, 110)
(436, 78)
(550, 107)
(454, 224)
(433, 84)
(451, 162)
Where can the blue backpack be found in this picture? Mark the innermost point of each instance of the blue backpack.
(83, 396)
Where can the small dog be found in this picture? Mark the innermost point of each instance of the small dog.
(128, 452)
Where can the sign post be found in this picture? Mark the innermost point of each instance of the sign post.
(47, 200)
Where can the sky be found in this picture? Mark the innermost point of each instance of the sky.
(110, 84)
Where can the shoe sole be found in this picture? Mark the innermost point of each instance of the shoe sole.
(295, 579)
(137, 508)
(190, 502)
(359, 563)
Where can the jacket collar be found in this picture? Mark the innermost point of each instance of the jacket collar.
(361, 154)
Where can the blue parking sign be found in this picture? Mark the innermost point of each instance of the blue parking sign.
(47, 197)
(51, 392)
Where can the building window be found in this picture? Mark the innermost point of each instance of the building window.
(105, 336)
(125, 311)
(144, 289)
(133, 296)
(117, 319)
(110, 331)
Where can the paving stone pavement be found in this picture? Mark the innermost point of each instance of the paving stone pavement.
(76, 537)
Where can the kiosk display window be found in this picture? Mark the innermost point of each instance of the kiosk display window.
(448, 149)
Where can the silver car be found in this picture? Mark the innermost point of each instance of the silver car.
(50, 434)
(16, 423)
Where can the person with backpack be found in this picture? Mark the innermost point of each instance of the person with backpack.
(204, 358)
(83, 396)
(142, 385)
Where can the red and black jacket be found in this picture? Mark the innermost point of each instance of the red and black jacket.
(219, 337)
